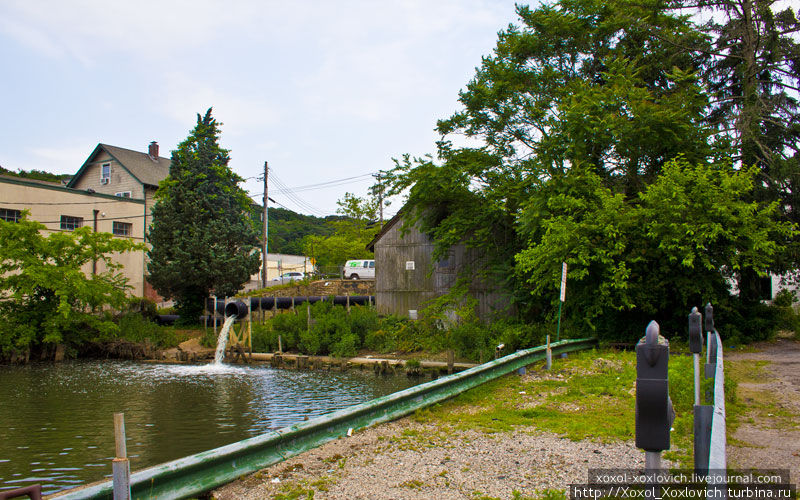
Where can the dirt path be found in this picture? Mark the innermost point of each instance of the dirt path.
(768, 435)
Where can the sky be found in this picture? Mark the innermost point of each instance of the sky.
(324, 91)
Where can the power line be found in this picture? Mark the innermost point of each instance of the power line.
(293, 197)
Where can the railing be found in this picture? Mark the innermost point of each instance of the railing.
(209, 469)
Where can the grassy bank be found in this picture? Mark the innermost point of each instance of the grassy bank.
(589, 395)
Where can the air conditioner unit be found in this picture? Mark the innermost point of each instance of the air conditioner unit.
(104, 180)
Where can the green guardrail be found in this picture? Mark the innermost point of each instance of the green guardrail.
(210, 469)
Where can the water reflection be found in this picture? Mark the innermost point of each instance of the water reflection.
(56, 423)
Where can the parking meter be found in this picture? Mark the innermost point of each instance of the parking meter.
(654, 412)
(695, 332)
(709, 317)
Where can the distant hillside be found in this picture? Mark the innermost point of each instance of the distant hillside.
(287, 229)
(38, 175)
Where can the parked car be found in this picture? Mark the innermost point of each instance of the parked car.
(292, 276)
(359, 269)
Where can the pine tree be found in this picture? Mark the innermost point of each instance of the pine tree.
(203, 241)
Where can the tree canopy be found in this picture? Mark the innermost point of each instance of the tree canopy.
(350, 233)
(599, 144)
(203, 240)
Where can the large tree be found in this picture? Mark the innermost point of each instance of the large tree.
(595, 148)
(203, 241)
(753, 77)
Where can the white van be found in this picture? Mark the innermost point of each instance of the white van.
(359, 269)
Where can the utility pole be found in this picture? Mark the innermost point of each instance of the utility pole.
(380, 195)
(266, 228)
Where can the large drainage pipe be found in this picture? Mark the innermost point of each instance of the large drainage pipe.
(269, 303)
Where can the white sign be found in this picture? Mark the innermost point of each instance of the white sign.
(409, 265)
(563, 281)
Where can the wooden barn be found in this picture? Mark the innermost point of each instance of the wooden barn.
(406, 276)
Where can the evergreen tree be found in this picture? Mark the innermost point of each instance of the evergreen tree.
(753, 76)
(203, 241)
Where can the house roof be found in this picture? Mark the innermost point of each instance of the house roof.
(144, 168)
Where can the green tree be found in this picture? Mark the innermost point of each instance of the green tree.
(351, 233)
(630, 260)
(753, 76)
(48, 298)
(203, 241)
(597, 148)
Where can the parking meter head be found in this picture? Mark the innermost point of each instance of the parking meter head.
(709, 317)
(653, 406)
(695, 332)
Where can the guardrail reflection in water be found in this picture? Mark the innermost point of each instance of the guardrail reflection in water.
(209, 469)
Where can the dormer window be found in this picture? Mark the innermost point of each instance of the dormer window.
(105, 173)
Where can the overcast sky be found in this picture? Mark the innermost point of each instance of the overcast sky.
(322, 90)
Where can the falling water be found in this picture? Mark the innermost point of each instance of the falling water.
(222, 340)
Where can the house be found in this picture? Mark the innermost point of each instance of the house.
(113, 191)
(407, 277)
(61, 208)
(123, 173)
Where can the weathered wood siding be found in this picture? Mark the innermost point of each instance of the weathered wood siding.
(399, 290)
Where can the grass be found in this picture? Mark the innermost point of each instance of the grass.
(589, 395)
(751, 404)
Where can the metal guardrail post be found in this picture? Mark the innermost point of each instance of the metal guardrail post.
(717, 458)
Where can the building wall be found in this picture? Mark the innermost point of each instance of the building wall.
(120, 180)
(47, 202)
(406, 277)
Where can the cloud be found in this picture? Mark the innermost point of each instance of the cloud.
(184, 97)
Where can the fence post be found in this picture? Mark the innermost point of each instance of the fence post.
(121, 471)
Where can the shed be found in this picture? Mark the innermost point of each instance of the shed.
(407, 277)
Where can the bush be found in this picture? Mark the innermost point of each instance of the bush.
(135, 328)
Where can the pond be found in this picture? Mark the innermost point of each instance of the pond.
(56, 420)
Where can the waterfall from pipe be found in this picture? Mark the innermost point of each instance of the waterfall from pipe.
(222, 340)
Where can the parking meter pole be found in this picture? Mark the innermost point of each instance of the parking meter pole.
(652, 461)
(696, 378)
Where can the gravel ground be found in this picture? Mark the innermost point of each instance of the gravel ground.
(408, 460)
(770, 440)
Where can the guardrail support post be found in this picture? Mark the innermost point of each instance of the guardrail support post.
(548, 355)
(120, 467)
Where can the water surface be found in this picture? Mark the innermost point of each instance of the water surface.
(56, 421)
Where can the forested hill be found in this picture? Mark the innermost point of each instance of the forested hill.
(287, 229)
(39, 175)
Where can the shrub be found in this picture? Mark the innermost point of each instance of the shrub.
(134, 328)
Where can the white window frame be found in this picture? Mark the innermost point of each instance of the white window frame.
(123, 194)
(105, 173)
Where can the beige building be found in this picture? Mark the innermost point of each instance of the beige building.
(113, 191)
(61, 208)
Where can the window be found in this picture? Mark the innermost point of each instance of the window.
(10, 215)
(69, 223)
(123, 194)
(105, 173)
(122, 228)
